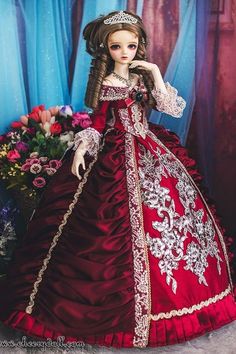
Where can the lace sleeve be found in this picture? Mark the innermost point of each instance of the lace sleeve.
(91, 139)
(169, 102)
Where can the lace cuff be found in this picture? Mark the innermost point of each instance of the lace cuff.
(169, 102)
(91, 138)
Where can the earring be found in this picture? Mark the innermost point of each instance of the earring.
(101, 45)
(143, 40)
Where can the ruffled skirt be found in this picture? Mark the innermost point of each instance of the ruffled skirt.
(131, 256)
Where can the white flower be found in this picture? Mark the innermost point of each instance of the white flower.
(65, 110)
(43, 159)
(67, 137)
(52, 120)
(35, 168)
(46, 127)
(34, 154)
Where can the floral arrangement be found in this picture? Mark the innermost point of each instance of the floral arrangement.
(8, 236)
(32, 151)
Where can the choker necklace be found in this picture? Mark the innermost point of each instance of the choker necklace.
(128, 81)
(138, 95)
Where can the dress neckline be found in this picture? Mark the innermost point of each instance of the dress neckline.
(123, 87)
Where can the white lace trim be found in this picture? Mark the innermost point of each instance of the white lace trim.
(136, 124)
(139, 249)
(90, 137)
(170, 102)
(114, 93)
(189, 310)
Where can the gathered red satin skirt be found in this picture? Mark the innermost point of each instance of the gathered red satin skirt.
(132, 256)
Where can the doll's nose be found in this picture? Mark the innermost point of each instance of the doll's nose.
(124, 51)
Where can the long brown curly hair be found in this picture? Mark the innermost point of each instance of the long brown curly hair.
(95, 33)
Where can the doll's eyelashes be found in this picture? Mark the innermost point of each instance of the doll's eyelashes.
(132, 46)
(114, 46)
(117, 46)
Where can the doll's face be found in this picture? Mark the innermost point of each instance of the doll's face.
(123, 46)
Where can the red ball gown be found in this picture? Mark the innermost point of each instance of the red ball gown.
(131, 255)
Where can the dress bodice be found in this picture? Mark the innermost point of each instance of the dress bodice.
(127, 108)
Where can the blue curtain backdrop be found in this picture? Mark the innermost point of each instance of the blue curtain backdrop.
(185, 59)
(43, 29)
(12, 89)
(48, 50)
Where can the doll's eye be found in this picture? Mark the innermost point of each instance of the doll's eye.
(132, 46)
(114, 46)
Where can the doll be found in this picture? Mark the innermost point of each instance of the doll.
(123, 249)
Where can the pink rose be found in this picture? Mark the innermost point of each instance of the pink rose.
(45, 166)
(25, 167)
(32, 161)
(13, 155)
(82, 119)
(55, 164)
(50, 171)
(85, 123)
(39, 182)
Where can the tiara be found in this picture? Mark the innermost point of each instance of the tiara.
(121, 17)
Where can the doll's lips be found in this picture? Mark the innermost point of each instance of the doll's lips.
(124, 57)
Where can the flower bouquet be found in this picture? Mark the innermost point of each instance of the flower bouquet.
(32, 151)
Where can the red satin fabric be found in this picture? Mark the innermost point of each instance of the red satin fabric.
(87, 290)
(162, 332)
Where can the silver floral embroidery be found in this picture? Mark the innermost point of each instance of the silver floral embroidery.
(134, 127)
(173, 228)
(139, 249)
(221, 238)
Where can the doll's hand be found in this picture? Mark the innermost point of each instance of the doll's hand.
(142, 64)
(78, 160)
(155, 71)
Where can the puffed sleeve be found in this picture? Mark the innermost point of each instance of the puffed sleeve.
(170, 102)
(91, 136)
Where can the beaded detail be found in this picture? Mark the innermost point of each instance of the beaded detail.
(90, 137)
(170, 102)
